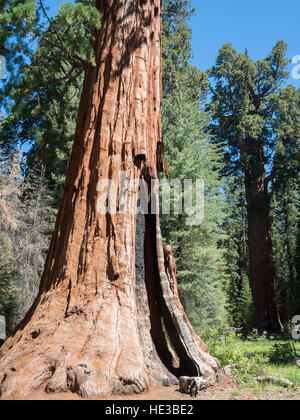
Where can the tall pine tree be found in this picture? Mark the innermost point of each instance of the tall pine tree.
(243, 93)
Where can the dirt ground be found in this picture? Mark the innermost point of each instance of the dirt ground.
(227, 389)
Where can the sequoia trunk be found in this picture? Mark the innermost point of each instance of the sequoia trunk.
(105, 302)
(261, 264)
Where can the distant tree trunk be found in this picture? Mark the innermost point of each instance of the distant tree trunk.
(106, 317)
(290, 309)
(261, 264)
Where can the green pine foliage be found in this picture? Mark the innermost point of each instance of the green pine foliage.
(242, 105)
(297, 265)
(200, 263)
(41, 102)
(177, 51)
(286, 200)
(286, 215)
(239, 300)
(191, 155)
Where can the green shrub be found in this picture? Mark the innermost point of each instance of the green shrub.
(228, 349)
(282, 352)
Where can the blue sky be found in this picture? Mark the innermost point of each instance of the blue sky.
(252, 24)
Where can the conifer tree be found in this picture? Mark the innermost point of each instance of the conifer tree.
(297, 263)
(48, 101)
(243, 93)
(200, 264)
(99, 327)
(240, 304)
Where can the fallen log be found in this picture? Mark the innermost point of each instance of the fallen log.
(276, 381)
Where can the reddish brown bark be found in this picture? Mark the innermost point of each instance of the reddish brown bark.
(262, 271)
(96, 326)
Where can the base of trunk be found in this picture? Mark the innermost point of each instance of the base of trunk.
(84, 353)
(87, 352)
(97, 348)
(99, 338)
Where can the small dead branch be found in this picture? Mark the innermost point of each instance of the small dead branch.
(276, 381)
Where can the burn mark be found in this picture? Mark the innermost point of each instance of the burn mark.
(74, 311)
(162, 165)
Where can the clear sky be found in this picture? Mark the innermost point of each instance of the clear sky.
(252, 24)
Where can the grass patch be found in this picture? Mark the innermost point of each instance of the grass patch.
(254, 357)
(235, 394)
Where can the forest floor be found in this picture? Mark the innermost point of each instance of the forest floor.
(259, 357)
(227, 389)
(254, 357)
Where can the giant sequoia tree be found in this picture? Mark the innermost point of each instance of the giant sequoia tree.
(108, 318)
(244, 110)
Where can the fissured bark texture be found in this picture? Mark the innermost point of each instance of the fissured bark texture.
(99, 323)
